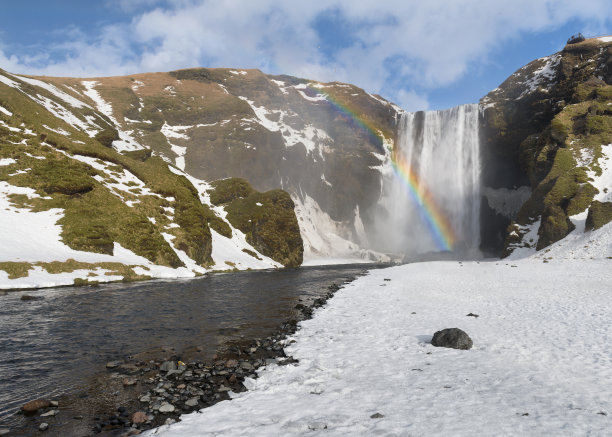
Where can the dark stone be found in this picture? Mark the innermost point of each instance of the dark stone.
(471, 315)
(453, 338)
(377, 416)
(29, 298)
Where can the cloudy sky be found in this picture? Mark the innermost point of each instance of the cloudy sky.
(421, 54)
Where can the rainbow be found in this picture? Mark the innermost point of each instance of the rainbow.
(438, 224)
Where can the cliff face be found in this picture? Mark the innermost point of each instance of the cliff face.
(545, 135)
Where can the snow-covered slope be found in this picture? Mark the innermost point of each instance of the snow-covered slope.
(75, 210)
(539, 365)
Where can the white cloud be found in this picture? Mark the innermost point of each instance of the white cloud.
(411, 101)
(428, 43)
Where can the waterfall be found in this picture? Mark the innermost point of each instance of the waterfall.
(441, 149)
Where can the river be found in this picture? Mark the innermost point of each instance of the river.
(53, 345)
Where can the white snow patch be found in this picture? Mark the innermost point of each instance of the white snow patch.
(545, 73)
(529, 239)
(7, 161)
(231, 250)
(551, 382)
(281, 85)
(5, 111)
(325, 238)
(603, 182)
(175, 132)
(605, 38)
(56, 130)
(76, 103)
(126, 142)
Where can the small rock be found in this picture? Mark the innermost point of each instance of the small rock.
(139, 417)
(377, 416)
(317, 426)
(453, 338)
(54, 403)
(193, 402)
(112, 364)
(50, 413)
(181, 386)
(231, 363)
(78, 417)
(232, 379)
(32, 406)
(472, 315)
(246, 366)
(43, 426)
(127, 382)
(166, 408)
(28, 298)
(169, 421)
(145, 398)
(167, 366)
(4, 431)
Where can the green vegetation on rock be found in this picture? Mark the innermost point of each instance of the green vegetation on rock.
(547, 131)
(600, 213)
(267, 219)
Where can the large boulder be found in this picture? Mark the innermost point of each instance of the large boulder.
(453, 338)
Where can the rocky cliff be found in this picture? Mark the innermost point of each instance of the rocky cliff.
(546, 141)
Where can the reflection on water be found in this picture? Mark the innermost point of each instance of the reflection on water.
(50, 346)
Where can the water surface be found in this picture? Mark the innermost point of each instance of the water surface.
(51, 346)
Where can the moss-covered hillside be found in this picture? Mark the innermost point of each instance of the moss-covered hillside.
(277, 132)
(549, 126)
(267, 219)
(62, 156)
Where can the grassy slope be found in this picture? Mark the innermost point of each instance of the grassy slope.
(96, 216)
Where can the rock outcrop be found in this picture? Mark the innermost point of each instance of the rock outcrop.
(547, 128)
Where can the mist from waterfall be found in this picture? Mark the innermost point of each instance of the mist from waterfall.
(442, 147)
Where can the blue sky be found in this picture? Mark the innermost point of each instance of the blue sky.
(420, 54)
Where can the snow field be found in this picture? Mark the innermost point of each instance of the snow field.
(538, 367)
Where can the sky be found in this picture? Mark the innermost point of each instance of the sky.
(421, 55)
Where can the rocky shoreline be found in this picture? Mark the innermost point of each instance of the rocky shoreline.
(137, 395)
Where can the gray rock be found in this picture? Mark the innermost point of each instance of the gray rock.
(166, 408)
(246, 366)
(4, 431)
(112, 364)
(377, 416)
(145, 398)
(453, 338)
(54, 403)
(167, 366)
(193, 402)
(43, 426)
(49, 413)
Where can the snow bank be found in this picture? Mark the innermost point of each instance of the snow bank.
(538, 367)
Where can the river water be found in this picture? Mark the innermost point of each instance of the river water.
(52, 346)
